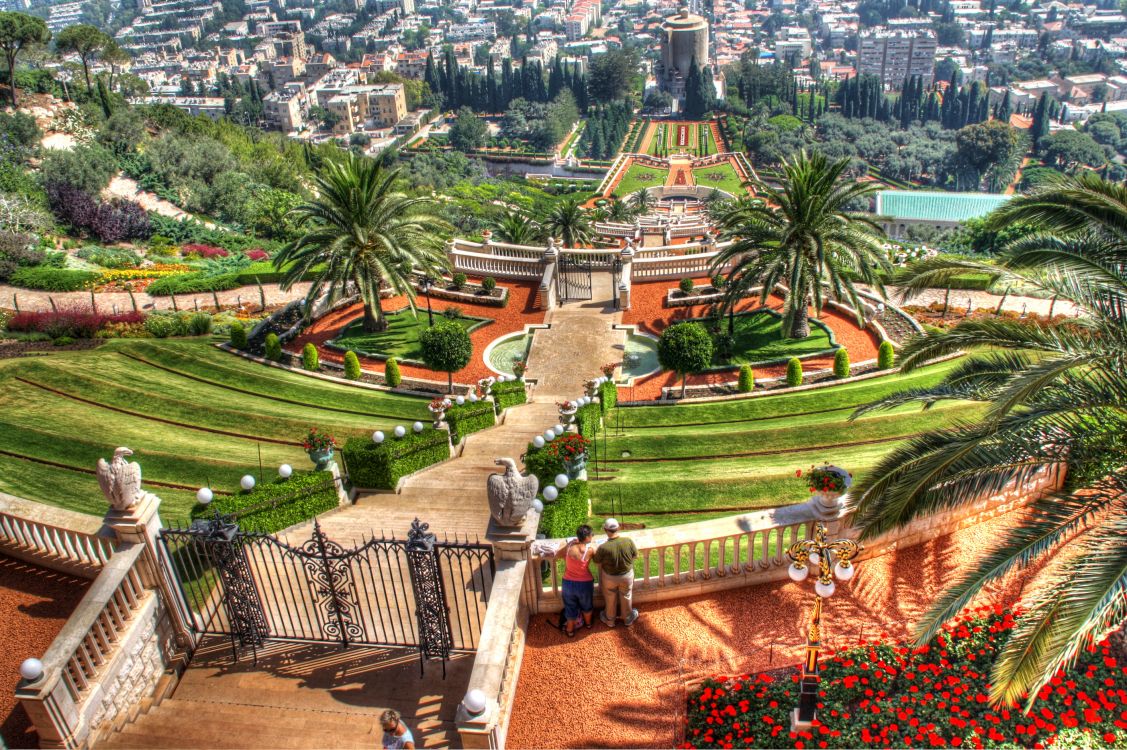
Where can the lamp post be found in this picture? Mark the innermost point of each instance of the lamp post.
(426, 282)
(817, 551)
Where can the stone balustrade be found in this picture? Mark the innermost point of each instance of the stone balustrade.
(695, 265)
(53, 538)
(488, 264)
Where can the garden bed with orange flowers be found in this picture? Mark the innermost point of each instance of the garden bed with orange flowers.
(887, 694)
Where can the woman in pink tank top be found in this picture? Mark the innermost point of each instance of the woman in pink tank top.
(578, 584)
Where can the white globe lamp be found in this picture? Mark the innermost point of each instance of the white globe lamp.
(31, 669)
(549, 435)
(378, 437)
(204, 496)
(537, 505)
(558, 429)
(400, 430)
(538, 441)
(824, 590)
(460, 400)
(844, 570)
(798, 574)
(247, 482)
(561, 480)
(285, 471)
(815, 558)
(551, 493)
(474, 702)
(473, 398)
(417, 427)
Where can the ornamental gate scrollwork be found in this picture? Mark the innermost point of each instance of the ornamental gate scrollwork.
(419, 592)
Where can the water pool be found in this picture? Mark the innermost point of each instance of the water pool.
(508, 351)
(640, 357)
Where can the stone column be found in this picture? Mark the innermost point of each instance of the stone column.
(548, 279)
(625, 279)
(487, 241)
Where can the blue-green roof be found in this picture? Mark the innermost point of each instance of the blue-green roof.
(934, 205)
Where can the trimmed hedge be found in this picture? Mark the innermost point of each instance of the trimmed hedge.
(263, 272)
(391, 374)
(567, 513)
(273, 347)
(279, 504)
(238, 335)
(608, 396)
(794, 372)
(380, 466)
(747, 379)
(351, 366)
(587, 419)
(543, 465)
(48, 279)
(469, 418)
(193, 283)
(841, 363)
(509, 393)
(310, 359)
(886, 356)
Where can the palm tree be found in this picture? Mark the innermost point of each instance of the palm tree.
(569, 222)
(358, 230)
(804, 235)
(619, 211)
(642, 202)
(516, 228)
(1054, 394)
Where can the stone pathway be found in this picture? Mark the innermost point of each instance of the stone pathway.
(247, 296)
(987, 300)
(127, 188)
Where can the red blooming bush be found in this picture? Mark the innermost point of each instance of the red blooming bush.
(203, 251)
(258, 254)
(75, 323)
(887, 694)
(569, 446)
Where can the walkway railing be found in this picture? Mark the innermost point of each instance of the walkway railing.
(485, 264)
(673, 266)
(52, 537)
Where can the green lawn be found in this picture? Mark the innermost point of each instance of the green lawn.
(721, 176)
(724, 458)
(192, 414)
(759, 339)
(639, 176)
(400, 339)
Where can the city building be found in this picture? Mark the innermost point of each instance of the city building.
(684, 38)
(212, 106)
(286, 109)
(894, 57)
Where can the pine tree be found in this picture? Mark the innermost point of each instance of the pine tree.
(1040, 127)
(694, 92)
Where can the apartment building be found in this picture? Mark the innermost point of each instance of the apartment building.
(286, 109)
(895, 56)
(355, 104)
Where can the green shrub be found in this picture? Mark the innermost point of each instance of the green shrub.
(309, 358)
(587, 419)
(489, 284)
(747, 379)
(273, 347)
(452, 312)
(886, 356)
(391, 373)
(794, 372)
(686, 286)
(543, 465)
(381, 465)
(62, 341)
(192, 283)
(569, 511)
(446, 347)
(47, 279)
(608, 396)
(198, 324)
(841, 363)
(162, 325)
(238, 335)
(718, 281)
(279, 504)
(469, 418)
(509, 393)
(351, 366)
(110, 257)
(459, 280)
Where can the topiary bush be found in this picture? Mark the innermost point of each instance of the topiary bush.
(569, 511)
(446, 347)
(718, 281)
(841, 363)
(794, 372)
(381, 465)
(685, 348)
(588, 419)
(351, 366)
(489, 284)
(391, 374)
(747, 379)
(608, 396)
(509, 393)
(686, 286)
(886, 356)
(273, 347)
(459, 280)
(238, 335)
(310, 360)
(469, 418)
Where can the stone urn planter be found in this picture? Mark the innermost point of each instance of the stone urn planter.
(438, 409)
(321, 458)
(576, 466)
(319, 447)
(827, 485)
(567, 411)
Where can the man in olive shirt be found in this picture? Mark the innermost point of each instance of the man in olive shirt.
(615, 558)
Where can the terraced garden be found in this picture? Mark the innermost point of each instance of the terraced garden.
(192, 414)
(720, 176)
(672, 465)
(640, 176)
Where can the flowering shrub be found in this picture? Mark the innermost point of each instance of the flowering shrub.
(824, 479)
(258, 254)
(70, 322)
(203, 251)
(315, 440)
(519, 368)
(568, 446)
(609, 367)
(886, 694)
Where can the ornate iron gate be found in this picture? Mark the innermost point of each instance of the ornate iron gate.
(253, 587)
(573, 282)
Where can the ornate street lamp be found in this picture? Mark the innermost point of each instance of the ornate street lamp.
(426, 282)
(817, 551)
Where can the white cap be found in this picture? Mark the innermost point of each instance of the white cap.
(611, 524)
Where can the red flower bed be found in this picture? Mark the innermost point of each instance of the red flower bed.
(257, 254)
(203, 251)
(890, 695)
(73, 322)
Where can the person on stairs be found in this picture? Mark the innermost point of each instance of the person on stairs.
(615, 558)
(396, 735)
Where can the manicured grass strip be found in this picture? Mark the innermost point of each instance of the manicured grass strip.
(93, 472)
(759, 338)
(753, 454)
(831, 410)
(138, 415)
(400, 339)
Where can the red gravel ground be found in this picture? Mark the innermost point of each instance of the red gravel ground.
(648, 312)
(625, 688)
(34, 605)
(514, 317)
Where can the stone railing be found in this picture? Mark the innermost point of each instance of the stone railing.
(52, 537)
(651, 268)
(486, 264)
(111, 654)
(696, 558)
(604, 186)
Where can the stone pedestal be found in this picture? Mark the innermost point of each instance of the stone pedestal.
(513, 542)
(826, 506)
(478, 732)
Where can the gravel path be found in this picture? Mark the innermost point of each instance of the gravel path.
(34, 605)
(983, 299)
(625, 688)
(107, 301)
(127, 188)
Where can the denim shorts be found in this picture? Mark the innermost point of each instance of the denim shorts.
(578, 598)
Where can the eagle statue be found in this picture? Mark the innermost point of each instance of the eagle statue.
(120, 480)
(510, 494)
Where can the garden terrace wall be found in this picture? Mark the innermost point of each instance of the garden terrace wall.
(52, 538)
